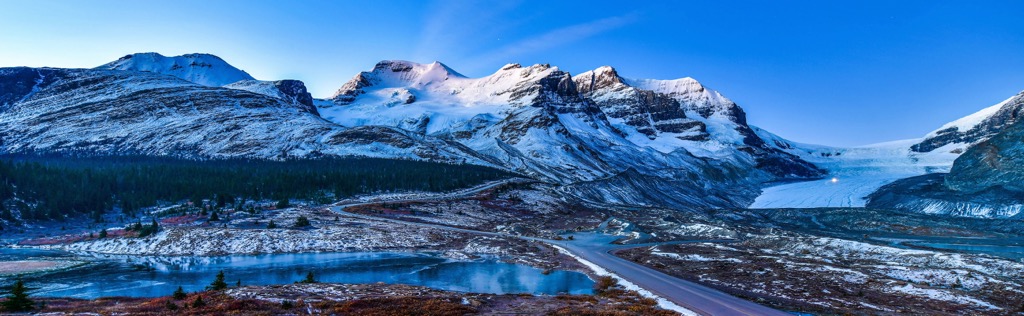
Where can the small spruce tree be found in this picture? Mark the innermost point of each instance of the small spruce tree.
(214, 217)
(103, 233)
(198, 302)
(179, 294)
(18, 301)
(309, 278)
(218, 283)
(271, 225)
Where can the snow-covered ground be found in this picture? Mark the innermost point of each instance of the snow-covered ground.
(854, 173)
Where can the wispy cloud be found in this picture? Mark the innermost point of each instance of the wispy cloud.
(452, 27)
(466, 33)
(552, 39)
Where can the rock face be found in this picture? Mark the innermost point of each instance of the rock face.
(204, 69)
(111, 112)
(291, 90)
(975, 127)
(605, 138)
(995, 163)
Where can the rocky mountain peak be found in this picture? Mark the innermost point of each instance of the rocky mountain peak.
(394, 73)
(603, 77)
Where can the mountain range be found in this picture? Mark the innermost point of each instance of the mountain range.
(601, 137)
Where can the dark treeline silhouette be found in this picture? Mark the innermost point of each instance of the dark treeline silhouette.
(53, 187)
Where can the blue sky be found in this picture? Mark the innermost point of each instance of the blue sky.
(826, 72)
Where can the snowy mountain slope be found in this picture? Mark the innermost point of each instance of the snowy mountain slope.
(671, 114)
(541, 121)
(103, 112)
(204, 69)
(974, 128)
(290, 90)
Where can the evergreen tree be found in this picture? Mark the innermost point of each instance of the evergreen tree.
(271, 225)
(282, 203)
(302, 221)
(309, 278)
(198, 302)
(214, 217)
(18, 301)
(103, 233)
(171, 306)
(218, 283)
(179, 294)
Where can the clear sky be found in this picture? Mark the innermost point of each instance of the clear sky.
(826, 72)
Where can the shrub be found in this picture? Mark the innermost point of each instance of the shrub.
(302, 221)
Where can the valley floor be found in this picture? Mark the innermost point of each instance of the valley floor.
(826, 261)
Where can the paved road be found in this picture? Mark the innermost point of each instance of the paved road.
(696, 297)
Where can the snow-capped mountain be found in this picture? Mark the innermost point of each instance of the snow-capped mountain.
(204, 69)
(606, 140)
(962, 133)
(671, 114)
(90, 111)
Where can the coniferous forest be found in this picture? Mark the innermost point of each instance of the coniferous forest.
(56, 187)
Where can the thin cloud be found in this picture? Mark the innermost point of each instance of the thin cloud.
(555, 38)
(453, 25)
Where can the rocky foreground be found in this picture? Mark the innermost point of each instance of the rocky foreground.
(359, 299)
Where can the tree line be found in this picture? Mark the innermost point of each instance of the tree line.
(56, 187)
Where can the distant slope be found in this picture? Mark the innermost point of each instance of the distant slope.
(204, 69)
(107, 112)
(974, 128)
(986, 181)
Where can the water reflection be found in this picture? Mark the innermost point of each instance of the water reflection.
(159, 276)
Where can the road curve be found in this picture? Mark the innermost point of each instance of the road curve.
(693, 296)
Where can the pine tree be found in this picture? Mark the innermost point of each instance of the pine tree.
(198, 302)
(218, 283)
(271, 225)
(309, 278)
(103, 233)
(18, 301)
(171, 306)
(179, 294)
(214, 217)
